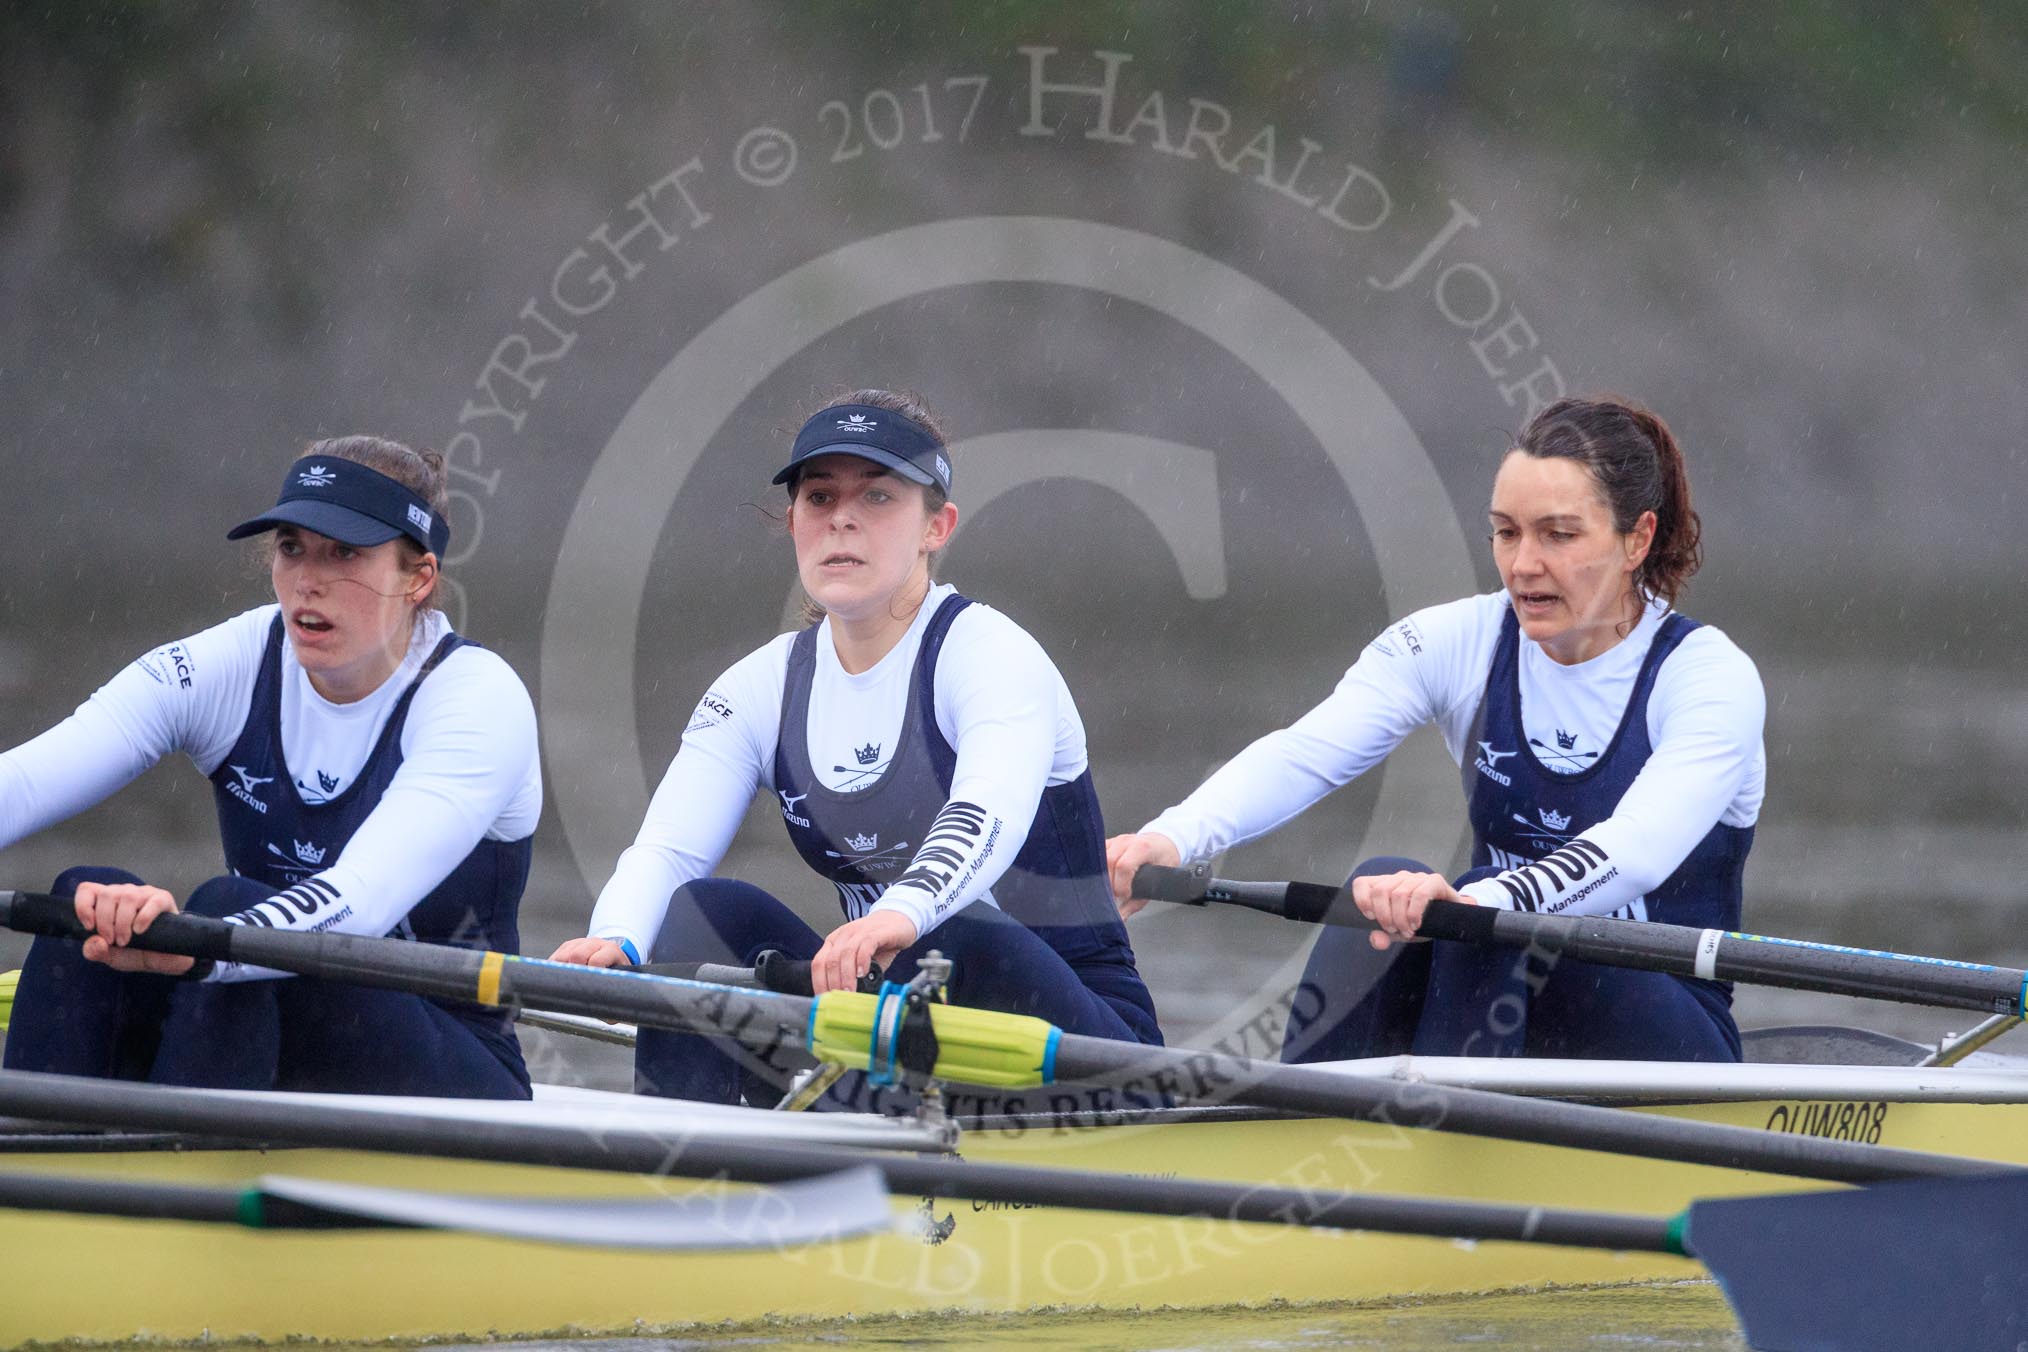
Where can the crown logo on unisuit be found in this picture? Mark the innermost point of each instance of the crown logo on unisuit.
(1555, 820)
(867, 754)
(864, 843)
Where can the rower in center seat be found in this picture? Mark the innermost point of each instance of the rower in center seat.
(927, 760)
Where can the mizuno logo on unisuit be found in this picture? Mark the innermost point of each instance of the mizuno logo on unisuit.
(317, 476)
(856, 422)
(244, 790)
(789, 807)
(1488, 758)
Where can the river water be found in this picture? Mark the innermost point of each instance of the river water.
(1676, 1317)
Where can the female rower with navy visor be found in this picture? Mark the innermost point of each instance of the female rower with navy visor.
(374, 773)
(1612, 763)
(926, 758)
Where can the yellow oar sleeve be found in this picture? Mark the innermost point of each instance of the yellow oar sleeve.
(8, 981)
(974, 1046)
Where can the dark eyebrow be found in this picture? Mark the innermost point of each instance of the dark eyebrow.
(1555, 519)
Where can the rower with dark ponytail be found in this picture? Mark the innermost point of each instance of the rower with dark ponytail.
(1638, 465)
(1611, 755)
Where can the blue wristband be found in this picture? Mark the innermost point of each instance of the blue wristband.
(627, 947)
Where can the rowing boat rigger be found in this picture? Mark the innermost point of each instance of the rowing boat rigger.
(1128, 1209)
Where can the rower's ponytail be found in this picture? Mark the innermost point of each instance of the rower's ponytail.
(1678, 548)
(1635, 460)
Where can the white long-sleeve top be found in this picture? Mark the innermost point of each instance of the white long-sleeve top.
(1704, 722)
(1000, 703)
(470, 769)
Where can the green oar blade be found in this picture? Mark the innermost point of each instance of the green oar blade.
(1889, 1268)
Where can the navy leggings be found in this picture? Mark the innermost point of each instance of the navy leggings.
(75, 1017)
(997, 963)
(1454, 999)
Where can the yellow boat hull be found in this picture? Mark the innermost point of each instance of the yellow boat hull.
(72, 1278)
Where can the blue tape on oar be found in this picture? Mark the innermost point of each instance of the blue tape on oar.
(880, 1059)
(1888, 1268)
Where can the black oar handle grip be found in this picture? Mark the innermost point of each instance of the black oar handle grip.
(1458, 920)
(1316, 904)
(781, 973)
(773, 970)
(193, 936)
(1184, 886)
(1307, 903)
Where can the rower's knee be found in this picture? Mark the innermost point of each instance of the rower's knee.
(226, 895)
(67, 882)
(1380, 865)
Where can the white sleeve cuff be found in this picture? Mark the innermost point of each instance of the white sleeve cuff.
(915, 903)
(630, 942)
(1178, 834)
(1488, 892)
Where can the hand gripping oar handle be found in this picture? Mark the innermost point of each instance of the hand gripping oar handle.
(200, 936)
(773, 970)
(1309, 903)
(1713, 955)
(193, 936)
(761, 1021)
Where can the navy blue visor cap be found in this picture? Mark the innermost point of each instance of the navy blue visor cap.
(352, 504)
(877, 434)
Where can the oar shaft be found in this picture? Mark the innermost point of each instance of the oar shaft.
(631, 1150)
(1680, 950)
(1763, 960)
(170, 1202)
(773, 970)
(712, 973)
(1204, 1076)
(761, 1021)
(1001, 1051)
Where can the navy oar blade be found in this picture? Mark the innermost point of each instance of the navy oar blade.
(1896, 1267)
